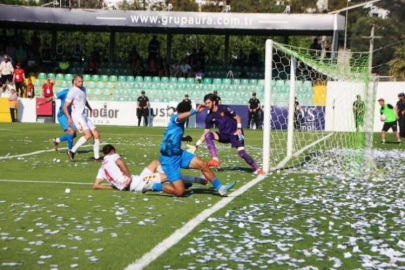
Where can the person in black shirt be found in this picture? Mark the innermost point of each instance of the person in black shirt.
(189, 102)
(219, 102)
(143, 104)
(400, 108)
(358, 111)
(254, 108)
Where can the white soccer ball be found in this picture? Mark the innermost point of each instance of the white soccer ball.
(383, 117)
(170, 111)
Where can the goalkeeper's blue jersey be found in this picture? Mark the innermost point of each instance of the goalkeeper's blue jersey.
(62, 96)
(171, 144)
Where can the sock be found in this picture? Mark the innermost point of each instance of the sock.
(209, 138)
(70, 141)
(217, 185)
(63, 138)
(79, 143)
(192, 179)
(157, 187)
(96, 148)
(248, 159)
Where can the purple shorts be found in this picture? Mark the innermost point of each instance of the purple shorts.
(232, 139)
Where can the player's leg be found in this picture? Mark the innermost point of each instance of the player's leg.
(139, 115)
(250, 116)
(383, 131)
(209, 139)
(395, 130)
(69, 136)
(96, 145)
(81, 125)
(240, 145)
(199, 164)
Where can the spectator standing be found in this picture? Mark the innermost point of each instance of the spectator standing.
(142, 110)
(47, 88)
(389, 117)
(185, 69)
(30, 89)
(6, 70)
(253, 107)
(153, 69)
(13, 102)
(219, 101)
(358, 111)
(18, 79)
(20, 55)
(32, 63)
(153, 48)
(138, 68)
(164, 69)
(297, 115)
(400, 108)
(188, 101)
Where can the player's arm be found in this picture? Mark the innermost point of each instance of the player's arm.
(147, 103)
(97, 185)
(202, 138)
(238, 123)
(186, 115)
(67, 113)
(124, 169)
(249, 107)
(88, 106)
(396, 111)
(187, 138)
(48, 99)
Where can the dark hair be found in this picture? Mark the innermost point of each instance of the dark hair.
(183, 107)
(211, 97)
(78, 75)
(107, 149)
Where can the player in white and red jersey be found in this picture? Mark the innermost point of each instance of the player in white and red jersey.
(78, 99)
(116, 172)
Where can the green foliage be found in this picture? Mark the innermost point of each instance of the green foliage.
(397, 64)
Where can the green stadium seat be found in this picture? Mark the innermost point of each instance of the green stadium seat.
(130, 79)
(226, 81)
(89, 91)
(181, 80)
(113, 78)
(173, 80)
(100, 84)
(244, 81)
(298, 83)
(147, 79)
(95, 78)
(261, 82)
(307, 84)
(97, 92)
(280, 83)
(38, 83)
(89, 84)
(104, 78)
(69, 77)
(86, 77)
(253, 82)
(164, 80)
(236, 81)
(190, 80)
(156, 79)
(207, 81)
(217, 81)
(51, 75)
(60, 76)
(122, 78)
(109, 85)
(106, 92)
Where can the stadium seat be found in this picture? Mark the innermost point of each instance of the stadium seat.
(130, 79)
(109, 85)
(156, 79)
(173, 80)
(69, 77)
(86, 77)
(244, 81)
(122, 78)
(253, 82)
(236, 81)
(190, 80)
(164, 80)
(95, 78)
(226, 81)
(181, 80)
(113, 78)
(100, 84)
(60, 76)
(97, 92)
(261, 82)
(147, 79)
(139, 79)
(217, 81)
(207, 81)
(307, 84)
(104, 78)
(41, 76)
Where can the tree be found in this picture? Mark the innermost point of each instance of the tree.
(397, 64)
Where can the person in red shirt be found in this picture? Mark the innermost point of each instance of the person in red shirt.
(18, 79)
(47, 88)
(30, 89)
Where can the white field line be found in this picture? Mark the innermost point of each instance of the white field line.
(179, 234)
(299, 152)
(43, 182)
(42, 151)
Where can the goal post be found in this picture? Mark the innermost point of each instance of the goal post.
(317, 105)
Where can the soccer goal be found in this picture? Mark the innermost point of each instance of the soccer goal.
(321, 108)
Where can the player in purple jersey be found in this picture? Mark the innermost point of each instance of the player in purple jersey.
(230, 131)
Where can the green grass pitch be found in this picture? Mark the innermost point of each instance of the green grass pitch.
(289, 220)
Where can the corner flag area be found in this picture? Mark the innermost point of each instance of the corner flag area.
(294, 218)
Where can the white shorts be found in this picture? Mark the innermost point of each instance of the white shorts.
(139, 181)
(83, 123)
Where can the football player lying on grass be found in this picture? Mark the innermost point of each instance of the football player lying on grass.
(116, 172)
